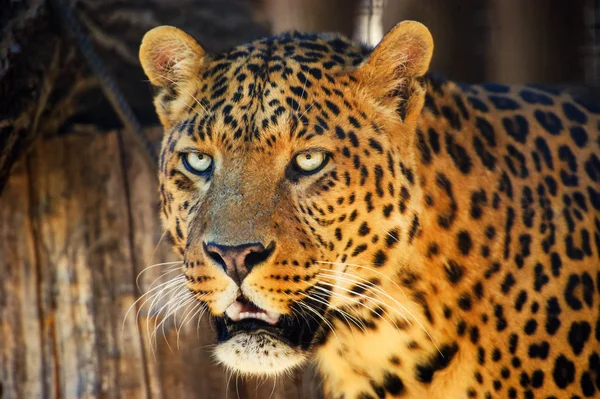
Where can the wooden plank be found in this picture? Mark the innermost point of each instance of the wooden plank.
(21, 366)
(82, 239)
(460, 32)
(530, 41)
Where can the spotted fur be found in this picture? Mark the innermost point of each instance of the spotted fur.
(453, 238)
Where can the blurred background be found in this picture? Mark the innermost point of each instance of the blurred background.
(78, 200)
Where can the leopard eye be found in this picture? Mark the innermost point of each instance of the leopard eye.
(310, 161)
(197, 163)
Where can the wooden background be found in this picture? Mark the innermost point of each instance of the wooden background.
(79, 219)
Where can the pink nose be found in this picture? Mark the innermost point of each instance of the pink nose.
(238, 260)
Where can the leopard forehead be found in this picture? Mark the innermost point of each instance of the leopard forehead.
(288, 84)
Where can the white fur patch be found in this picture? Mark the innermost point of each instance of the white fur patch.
(258, 354)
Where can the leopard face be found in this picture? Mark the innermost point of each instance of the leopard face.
(267, 181)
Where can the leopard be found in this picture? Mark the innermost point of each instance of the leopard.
(410, 236)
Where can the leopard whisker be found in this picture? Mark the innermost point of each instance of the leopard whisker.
(145, 297)
(368, 288)
(321, 300)
(401, 290)
(174, 306)
(176, 290)
(147, 268)
(196, 309)
(322, 318)
(366, 307)
(324, 291)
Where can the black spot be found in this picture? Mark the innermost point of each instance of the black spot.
(478, 200)
(578, 336)
(439, 361)
(487, 159)
(392, 238)
(461, 106)
(423, 148)
(549, 121)
(461, 327)
(579, 136)
(570, 292)
(510, 218)
(530, 327)
(354, 122)
(332, 107)
(452, 117)
(513, 343)
(594, 197)
(552, 316)
(516, 127)
(541, 278)
(393, 384)
(464, 302)
(359, 249)
(478, 290)
(464, 242)
(537, 378)
(434, 140)
(458, 154)
(587, 384)
(339, 132)
(542, 147)
(592, 168)
(520, 301)
(574, 114)
(353, 139)
(564, 372)
(299, 91)
(539, 351)
(364, 229)
(508, 283)
(379, 259)
(446, 218)
(555, 263)
(504, 103)
(481, 355)
(478, 104)
(413, 229)
(496, 87)
(535, 98)
(376, 145)
(501, 322)
(566, 155)
(454, 272)
(474, 334)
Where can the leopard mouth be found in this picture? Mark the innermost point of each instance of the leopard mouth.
(296, 330)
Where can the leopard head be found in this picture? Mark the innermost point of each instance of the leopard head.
(287, 179)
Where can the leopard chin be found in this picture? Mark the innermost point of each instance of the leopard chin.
(258, 354)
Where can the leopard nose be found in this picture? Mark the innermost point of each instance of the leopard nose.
(238, 260)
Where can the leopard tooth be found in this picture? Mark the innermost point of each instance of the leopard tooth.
(233, 311)
(272, 317)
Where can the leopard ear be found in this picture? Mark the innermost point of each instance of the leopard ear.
(170, 56)
(392, 70)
